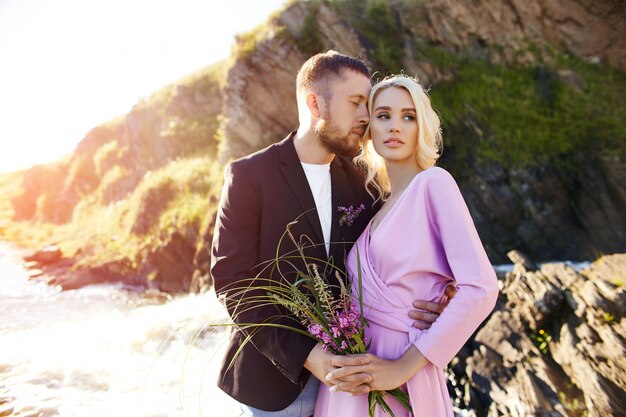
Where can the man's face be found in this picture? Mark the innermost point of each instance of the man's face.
(344, 117)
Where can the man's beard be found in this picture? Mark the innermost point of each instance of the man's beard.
(330, 137)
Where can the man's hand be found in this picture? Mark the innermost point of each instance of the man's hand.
(321, 363)
(429, 312)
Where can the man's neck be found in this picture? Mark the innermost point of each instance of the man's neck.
(309, 148)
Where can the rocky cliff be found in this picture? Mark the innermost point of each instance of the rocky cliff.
(532, 95)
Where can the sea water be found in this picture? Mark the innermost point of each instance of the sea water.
(106, 350)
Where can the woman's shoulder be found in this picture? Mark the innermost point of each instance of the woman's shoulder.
(436, 176)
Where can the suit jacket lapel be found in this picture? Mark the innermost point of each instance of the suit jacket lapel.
(340, 197)
(292, 171)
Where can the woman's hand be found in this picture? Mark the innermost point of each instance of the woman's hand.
(386, 374)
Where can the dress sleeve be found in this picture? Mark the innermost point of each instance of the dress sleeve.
(475, 278)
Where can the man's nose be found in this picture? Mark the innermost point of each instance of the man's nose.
(364, 116)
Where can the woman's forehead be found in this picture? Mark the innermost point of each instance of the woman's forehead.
(393, 97)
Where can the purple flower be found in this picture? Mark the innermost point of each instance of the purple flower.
(349, 214)
(315, 330)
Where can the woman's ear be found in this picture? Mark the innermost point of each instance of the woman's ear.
(313, 104)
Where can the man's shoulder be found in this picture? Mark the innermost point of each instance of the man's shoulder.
(267, 155)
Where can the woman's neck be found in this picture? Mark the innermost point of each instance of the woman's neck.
(400, 175)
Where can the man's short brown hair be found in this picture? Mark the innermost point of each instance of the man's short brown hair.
(317, 72)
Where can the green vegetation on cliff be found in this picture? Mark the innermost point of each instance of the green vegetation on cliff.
(531, 115)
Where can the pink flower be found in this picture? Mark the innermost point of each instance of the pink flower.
(315, 330)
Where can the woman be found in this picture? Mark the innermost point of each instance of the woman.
(421, 241)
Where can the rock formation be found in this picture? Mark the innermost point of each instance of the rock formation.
(555, 344)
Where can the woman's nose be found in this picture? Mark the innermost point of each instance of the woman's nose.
(394, 127)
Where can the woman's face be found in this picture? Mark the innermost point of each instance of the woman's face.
(393, 126)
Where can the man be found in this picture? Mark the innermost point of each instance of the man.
(309, 174)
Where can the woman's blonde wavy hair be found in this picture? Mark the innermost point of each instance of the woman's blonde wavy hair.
(429, 139)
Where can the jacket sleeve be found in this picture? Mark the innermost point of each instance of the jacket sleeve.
(234, 265)
(470, 266)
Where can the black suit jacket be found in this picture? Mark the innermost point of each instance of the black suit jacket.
(263, 193)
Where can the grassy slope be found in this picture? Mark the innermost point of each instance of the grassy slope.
(99, 231)
(526, 116)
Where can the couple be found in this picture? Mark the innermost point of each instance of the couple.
(413, 232)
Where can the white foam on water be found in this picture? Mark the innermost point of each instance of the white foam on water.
(105, 351)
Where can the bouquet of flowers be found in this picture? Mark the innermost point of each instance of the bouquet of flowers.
(337, 322)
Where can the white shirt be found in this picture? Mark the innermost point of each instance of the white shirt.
(318, 176)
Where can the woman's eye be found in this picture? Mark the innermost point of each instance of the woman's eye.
(383, 116)
(409, 117)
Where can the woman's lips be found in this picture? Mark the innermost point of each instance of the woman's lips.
(393, 142)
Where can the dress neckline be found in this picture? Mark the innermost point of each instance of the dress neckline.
(371, 233)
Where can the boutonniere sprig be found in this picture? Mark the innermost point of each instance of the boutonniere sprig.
(349, 214)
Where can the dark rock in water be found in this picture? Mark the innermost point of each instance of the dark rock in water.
(555, 344)
(112, 271)
(47, 255)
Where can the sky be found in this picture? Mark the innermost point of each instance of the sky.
(67, 66)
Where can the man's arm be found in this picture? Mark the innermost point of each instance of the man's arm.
(234, 263)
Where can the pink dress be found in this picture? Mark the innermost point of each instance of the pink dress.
(426, 242)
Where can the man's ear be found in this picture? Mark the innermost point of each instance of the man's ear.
(313, 103)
